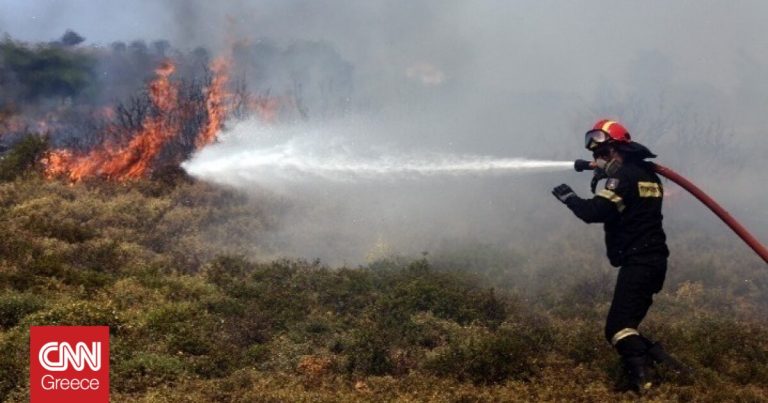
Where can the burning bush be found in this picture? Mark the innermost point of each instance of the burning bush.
(67, 91)
(149, 126)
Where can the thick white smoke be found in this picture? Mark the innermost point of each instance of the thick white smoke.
(351, 199)
(454, 79)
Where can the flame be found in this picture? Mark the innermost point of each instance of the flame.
(135, 159)
(57, 163)
(266, 108)
(169, 112)
(216, 105)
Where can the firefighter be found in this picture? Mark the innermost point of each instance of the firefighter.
(629, 206)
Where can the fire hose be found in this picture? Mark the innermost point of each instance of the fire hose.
(740, 230)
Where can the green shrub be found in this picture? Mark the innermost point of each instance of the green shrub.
(23, 158)
(144, 370)
(99, 255)
(63, 228)
(78, 313)
(257, 353)
(369, 352)
(15, 306)
(583, 342)
(418, 288)
(483, 356)
(183, 326)
(735, 350)
(14, 359)
(228, 272)
(193, 320)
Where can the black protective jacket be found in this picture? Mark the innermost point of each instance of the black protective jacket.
(630, 208)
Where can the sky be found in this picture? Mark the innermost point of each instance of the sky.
(530, 45)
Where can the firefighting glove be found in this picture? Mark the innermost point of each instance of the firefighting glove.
(563, 192)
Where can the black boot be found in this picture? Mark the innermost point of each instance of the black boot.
(659, 356)
(637, 380)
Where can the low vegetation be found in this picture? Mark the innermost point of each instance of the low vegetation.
(192, 319)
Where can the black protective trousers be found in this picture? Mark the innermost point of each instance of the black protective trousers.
(638, 280)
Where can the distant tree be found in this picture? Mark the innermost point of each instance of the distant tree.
(119, 47)
(71, 38)
(161, 47)
(201, 55)
(46, 71)
(139, 48)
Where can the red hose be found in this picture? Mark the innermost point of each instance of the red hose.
(739, 229)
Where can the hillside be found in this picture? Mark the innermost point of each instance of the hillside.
(192, 319)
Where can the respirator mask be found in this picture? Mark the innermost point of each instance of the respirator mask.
(605, 166)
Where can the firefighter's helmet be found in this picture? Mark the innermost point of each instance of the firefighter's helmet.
(610, 132)
(606, 131)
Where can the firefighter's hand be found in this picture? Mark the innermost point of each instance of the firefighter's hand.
(563, 192)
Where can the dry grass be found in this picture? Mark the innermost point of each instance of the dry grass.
(192, 321)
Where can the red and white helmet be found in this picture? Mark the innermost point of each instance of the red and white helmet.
(606, 131)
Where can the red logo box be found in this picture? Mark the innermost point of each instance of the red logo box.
(69, 364)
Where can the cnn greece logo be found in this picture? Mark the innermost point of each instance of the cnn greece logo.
(77, 357)
(69, 363)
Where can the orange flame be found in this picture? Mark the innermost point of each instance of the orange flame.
(216, 104)
(266, 108)
(134, 159)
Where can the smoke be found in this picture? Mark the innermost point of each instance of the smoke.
(428, 82)
(353, 200)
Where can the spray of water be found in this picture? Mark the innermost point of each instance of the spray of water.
(313, 156)
(347, 199)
